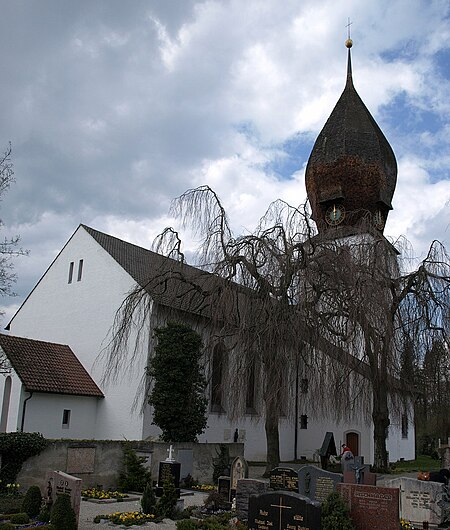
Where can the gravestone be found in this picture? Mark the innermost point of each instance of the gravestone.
(224, 487)
(283, 478)
(239, 469)
(371, 507)
(186, 459)
(317, 483)
(328, 449)
(283, 511)
(420, 501)
(168, 468)
(245, 488)
(347, 462)
(59, 482)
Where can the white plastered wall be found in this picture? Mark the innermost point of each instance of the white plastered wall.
(81, 314)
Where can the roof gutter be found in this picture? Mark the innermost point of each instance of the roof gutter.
(23, 411)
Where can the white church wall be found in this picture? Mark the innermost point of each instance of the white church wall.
(44, 413)
(80, 314)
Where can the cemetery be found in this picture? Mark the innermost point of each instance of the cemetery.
(295, 496)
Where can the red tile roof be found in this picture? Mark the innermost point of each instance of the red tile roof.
(48, 367)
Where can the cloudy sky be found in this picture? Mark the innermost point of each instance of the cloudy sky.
(113, 108)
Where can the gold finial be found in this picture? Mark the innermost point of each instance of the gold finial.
(349, 42)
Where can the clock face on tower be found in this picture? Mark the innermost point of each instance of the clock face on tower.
(335, 214)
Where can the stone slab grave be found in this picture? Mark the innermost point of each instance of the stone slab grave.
(239, 469)
(168, 468)
(372, 507)
(283, 478)
(420, 501)
(317, 483)
(283, 510)
(58, 483)
(245, 488)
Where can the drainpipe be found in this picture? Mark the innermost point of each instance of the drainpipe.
(296, 415)
(23, 411)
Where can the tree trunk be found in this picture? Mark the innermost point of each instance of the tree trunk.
(380, 417)
(272, 437)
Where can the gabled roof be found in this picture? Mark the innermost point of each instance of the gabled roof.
(48, 367)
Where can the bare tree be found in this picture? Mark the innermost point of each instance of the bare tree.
(8, 246)
(289, 303)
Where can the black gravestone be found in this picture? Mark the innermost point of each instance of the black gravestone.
(328, 448)
(283, 511)
(317, 483)
(168, 469)
(283, 478)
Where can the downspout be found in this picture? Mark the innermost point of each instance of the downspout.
(296, 415)
(23, 411)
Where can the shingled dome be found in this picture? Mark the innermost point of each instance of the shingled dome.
(351, 165)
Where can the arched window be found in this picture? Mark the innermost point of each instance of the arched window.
(217, 375)
(5, 404)
(250, 395)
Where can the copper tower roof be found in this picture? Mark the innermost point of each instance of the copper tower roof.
(351, 163)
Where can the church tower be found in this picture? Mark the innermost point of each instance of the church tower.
(352, 171)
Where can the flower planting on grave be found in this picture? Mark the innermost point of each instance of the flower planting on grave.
(94, 493)
(404, 524)
(126, 518)
(204, 487)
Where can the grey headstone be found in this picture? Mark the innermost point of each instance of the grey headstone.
(59, 482)
(420, 500)
(239, 469)
(245, 488)
(317, 483)
(283, 510)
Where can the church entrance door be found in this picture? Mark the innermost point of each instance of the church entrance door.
(352, 441)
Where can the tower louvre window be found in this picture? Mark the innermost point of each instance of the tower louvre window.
(70, 272)
(80, 270)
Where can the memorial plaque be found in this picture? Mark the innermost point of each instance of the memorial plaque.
(81, 460)
(239, 469)
(283, 511)
(283, 478)
(59, 482)
(317, 483)
(420, 501)
(371, 507)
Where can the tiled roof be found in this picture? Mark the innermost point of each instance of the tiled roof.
(169, 282)
(48, 367)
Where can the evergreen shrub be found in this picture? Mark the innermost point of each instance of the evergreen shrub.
(32, 501)
(148, 499)
(221, 462)
(44, 514)
(187, 524)
(178, 392)
(336, 514)
(16, 448)
(7, 526)
(135, 476)
(168, 501)
(62, 516)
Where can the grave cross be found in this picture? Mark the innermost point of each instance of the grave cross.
(170, 458)
(281, 506)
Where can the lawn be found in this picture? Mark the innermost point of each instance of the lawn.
(422, 463)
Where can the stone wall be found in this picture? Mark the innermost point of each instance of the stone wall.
(444, 452)
(100, 462)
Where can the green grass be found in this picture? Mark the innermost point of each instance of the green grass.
(422, 463)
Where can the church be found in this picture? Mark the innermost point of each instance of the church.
(55, 349)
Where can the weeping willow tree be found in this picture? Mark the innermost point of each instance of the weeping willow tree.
(287, 302)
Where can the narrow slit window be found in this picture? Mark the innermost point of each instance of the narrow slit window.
(70, 272)
(80, 270)
(404, 426)
(66, 419)
(303, 421)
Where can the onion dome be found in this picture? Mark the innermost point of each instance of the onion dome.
(352, 170)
